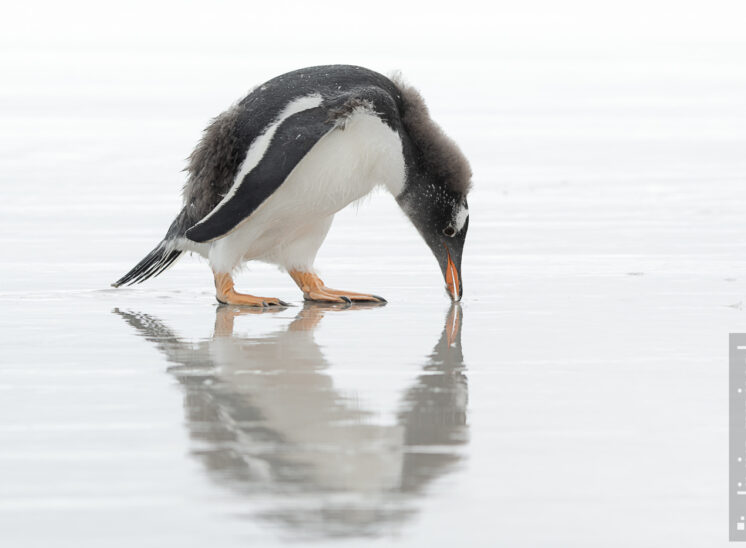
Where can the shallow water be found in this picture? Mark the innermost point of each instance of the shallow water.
(573, 389)
(576, 397)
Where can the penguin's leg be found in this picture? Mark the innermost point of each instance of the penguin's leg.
(314, 290)
(225, 255)
(297, 257)
(225, 293)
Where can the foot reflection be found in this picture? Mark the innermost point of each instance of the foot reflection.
(267, 420)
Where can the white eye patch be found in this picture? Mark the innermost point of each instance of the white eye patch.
(462, 213)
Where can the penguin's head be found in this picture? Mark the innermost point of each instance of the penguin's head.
(441, 216)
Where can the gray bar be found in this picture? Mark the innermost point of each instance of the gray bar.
(737, 441)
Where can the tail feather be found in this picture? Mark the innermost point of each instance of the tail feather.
(162, 256)
(152, 265)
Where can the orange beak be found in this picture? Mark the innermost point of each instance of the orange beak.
(452, 281)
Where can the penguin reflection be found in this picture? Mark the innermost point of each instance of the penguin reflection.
(267, 419)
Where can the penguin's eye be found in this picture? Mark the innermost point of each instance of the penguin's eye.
(449, 231)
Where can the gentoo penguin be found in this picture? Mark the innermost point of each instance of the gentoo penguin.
(269, 174)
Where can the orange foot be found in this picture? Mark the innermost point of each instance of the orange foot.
(226, 294)
(315, 290)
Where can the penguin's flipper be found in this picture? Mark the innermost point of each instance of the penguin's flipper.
(293, 139)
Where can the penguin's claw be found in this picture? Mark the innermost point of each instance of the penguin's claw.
(241, 299)
(325, 297)
(325, 294)
(357, 297)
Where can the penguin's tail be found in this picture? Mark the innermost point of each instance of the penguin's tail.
(160, 258)
(152, 265)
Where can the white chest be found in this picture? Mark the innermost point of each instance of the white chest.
(344, 166)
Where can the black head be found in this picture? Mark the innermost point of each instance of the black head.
(438, 179)
(441, 216)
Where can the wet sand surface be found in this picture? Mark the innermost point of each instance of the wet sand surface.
(576, 397)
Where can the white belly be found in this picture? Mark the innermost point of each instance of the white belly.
(341, 168)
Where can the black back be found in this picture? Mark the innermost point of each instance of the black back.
(342, 88)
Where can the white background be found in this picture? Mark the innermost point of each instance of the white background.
(604, 267)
